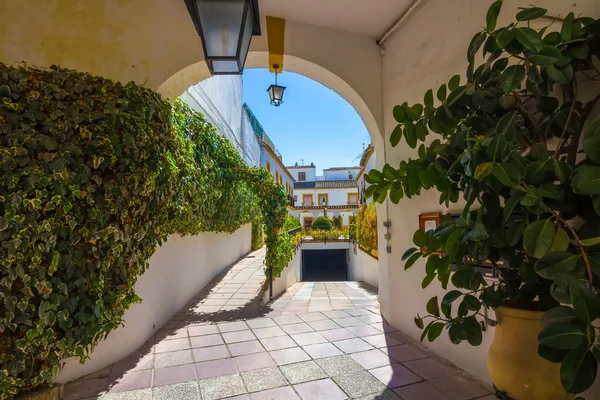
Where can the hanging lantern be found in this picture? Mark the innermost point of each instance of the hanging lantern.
(226, 28)
(276, 91)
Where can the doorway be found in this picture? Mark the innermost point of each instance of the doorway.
(324, 265)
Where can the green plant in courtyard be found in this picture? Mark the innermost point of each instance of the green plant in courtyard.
(258, 235)
(517, 142)
(322, 223)
(329, 234)
(95, 176)
(290, 223)
(366, 227)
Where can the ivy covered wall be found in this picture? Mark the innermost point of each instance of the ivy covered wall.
(95, 176)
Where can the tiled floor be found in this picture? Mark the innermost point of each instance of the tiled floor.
(318, 341)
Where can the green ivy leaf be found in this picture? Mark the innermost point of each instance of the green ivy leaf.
(538, 237)
(585, 179)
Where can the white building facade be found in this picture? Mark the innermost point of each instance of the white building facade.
(367, 163)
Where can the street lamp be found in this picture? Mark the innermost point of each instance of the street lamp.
(276, 91)
(324, 203)
(226, 28)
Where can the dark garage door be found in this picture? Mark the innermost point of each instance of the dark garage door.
(324, 265)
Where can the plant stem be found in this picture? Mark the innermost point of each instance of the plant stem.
(560, 142)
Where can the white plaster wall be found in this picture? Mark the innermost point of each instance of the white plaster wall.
(311, 173)
(340, 174)
(420, 56)
(250, 141)
(336, 197)
(179, 269)
(289, 276)
(362, 267)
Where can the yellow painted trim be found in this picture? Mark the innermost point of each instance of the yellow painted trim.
(278, 161)
(269, 166)
(276, 41)
(311, 199)
(326, 198)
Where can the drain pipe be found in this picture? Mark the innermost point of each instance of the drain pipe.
(399, 22)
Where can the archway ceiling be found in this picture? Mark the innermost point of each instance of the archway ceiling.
(356, 16)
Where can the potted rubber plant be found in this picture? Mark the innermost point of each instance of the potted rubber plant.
(516, 144)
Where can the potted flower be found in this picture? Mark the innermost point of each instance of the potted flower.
(518, 147)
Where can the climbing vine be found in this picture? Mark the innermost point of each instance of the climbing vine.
(95, 176)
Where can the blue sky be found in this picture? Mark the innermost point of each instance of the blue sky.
(314, 123)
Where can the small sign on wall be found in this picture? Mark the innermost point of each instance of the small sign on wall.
(430, 221)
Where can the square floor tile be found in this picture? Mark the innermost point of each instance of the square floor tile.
(359, 311)
(240, 349)
(381, 340)
(359, 384)
(179, 391)
(459, 387)
(324, 389)
(165, 346)
(222, 387)
(353, 345)
(363, 330)
(132, 380)
(210, 353)
(304, 339)
(312, 316)
(263, 379)
(334, 335)
(372, 359)
(214, 368)
(277, 343)
(254, 361)
(395, 375)
(348, 321)
(288, 356)
(303, 372)
(173, 358)
(170, 334)
(282, 393)
(287, 320)
(429, 368)
(238, 336)
(322, 325)
(260, 323)
(175, 374)
(302, 327)
(232, 326)
(201, 330)
(85, 388)
(336, 314)
(322, 350)
(206, 341)
(387, 394)
(263, 333)
(419, 391)
(140, 394)
(370, 319)
(404, 352)
(339, 365)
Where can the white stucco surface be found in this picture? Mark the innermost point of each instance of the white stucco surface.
(340, 174)
(179, 269)
(311, 173)
(289, 276)
(362, 267)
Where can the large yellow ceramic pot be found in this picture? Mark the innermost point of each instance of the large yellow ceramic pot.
(513, 361)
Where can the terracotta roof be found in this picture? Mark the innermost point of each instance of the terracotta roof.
(346, 183)
(341, 168)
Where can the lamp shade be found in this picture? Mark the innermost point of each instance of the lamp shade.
(226, 28)
(276, 94)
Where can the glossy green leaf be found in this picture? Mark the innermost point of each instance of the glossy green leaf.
(538, 237)
(496, 147)
(454, 82)
(531, 13)
(585, 302)
(483, 170)
(548, 55)
(562, 170)
(590, 241)
(409, 253)
(557, 315)
(510, 205)
(428, 99)
(508, 174)
(433, 307)
(563, 75)
(585, 179)
(563, 336)
(566, 32)
(399, 114)
(411, 260)
(491, 17)
(435, 331)
(512, 78)
(553, 264)
(441, 93)
(396, 135)
(410, 135)
(560, 242)
(591, 147)
(578, 370)
(529, 38)
(419, 322)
